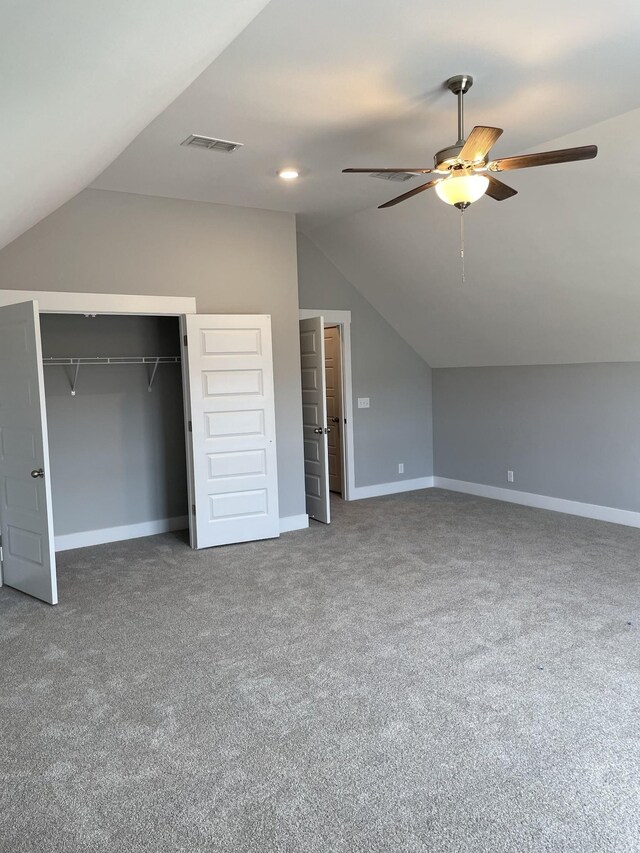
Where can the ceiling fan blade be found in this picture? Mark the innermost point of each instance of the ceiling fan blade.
(387, 169)
(479, 142)
(544, 158)
(412, 192)
(498, 190)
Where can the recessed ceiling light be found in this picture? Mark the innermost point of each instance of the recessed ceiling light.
(288, 174)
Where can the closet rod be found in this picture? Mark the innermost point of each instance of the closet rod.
(155, 360)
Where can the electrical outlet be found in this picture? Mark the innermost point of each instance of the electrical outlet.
(509, 476)
(363, 402)
(400, 467)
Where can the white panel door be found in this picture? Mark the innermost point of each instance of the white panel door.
(314, 419)
(26, 521)
(232, 442)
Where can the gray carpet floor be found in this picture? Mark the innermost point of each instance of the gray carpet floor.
(432, 672)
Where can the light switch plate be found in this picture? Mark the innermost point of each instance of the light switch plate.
(363, 402)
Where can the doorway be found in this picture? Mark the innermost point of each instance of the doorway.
(327, 402)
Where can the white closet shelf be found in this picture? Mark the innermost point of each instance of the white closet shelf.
(74, 361)
(124, 359)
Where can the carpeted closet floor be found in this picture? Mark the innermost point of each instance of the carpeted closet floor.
(433, 672)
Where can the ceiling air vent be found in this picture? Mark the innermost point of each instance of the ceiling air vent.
(211, 144)
(393, 176)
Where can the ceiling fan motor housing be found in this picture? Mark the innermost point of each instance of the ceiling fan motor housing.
(447, 158)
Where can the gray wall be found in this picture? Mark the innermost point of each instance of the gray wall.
(397, 427)
(233, 260)
(117, 450)
(567, 431)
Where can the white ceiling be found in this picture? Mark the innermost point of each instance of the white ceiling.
(324, 85)
(551, 274)
(81, 78)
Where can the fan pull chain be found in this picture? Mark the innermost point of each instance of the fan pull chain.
(462, 243)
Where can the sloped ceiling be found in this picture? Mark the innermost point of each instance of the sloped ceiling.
(326, 84)
(551, 274)
(81, 78)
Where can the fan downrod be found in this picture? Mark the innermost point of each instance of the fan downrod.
(447, 158)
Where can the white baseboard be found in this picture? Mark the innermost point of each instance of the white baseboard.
(69, 541)
(289, 523)
(294, 522)
(601, 513)
(116, 534)
(360, 492)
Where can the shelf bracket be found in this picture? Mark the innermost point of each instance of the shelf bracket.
(75, 379)
(153, 374)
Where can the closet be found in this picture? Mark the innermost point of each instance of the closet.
(113, 393)
(114, 427)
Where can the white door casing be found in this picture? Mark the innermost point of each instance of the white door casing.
(314, 419)
(333, 379)
(61, 302)
(26, 520)
(233, 481)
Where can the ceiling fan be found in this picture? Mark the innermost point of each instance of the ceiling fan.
(464, 171)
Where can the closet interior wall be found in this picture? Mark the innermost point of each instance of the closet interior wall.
(117, 449)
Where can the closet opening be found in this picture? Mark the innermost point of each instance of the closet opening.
(115, 411)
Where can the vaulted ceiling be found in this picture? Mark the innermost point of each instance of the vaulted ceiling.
(79, 79)
(326, 84)
(551, 273)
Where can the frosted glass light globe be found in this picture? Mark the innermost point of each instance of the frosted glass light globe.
(462, 189)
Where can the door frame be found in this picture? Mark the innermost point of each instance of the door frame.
(342, 319)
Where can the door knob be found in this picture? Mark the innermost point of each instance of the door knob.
(328, 430)
(318, 430)
(37, 472)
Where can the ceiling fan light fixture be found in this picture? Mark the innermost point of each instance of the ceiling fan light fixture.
(463, 163)
(462, 190)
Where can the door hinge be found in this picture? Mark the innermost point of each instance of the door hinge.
(193, 509)
(185, 341)
(190, 426)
